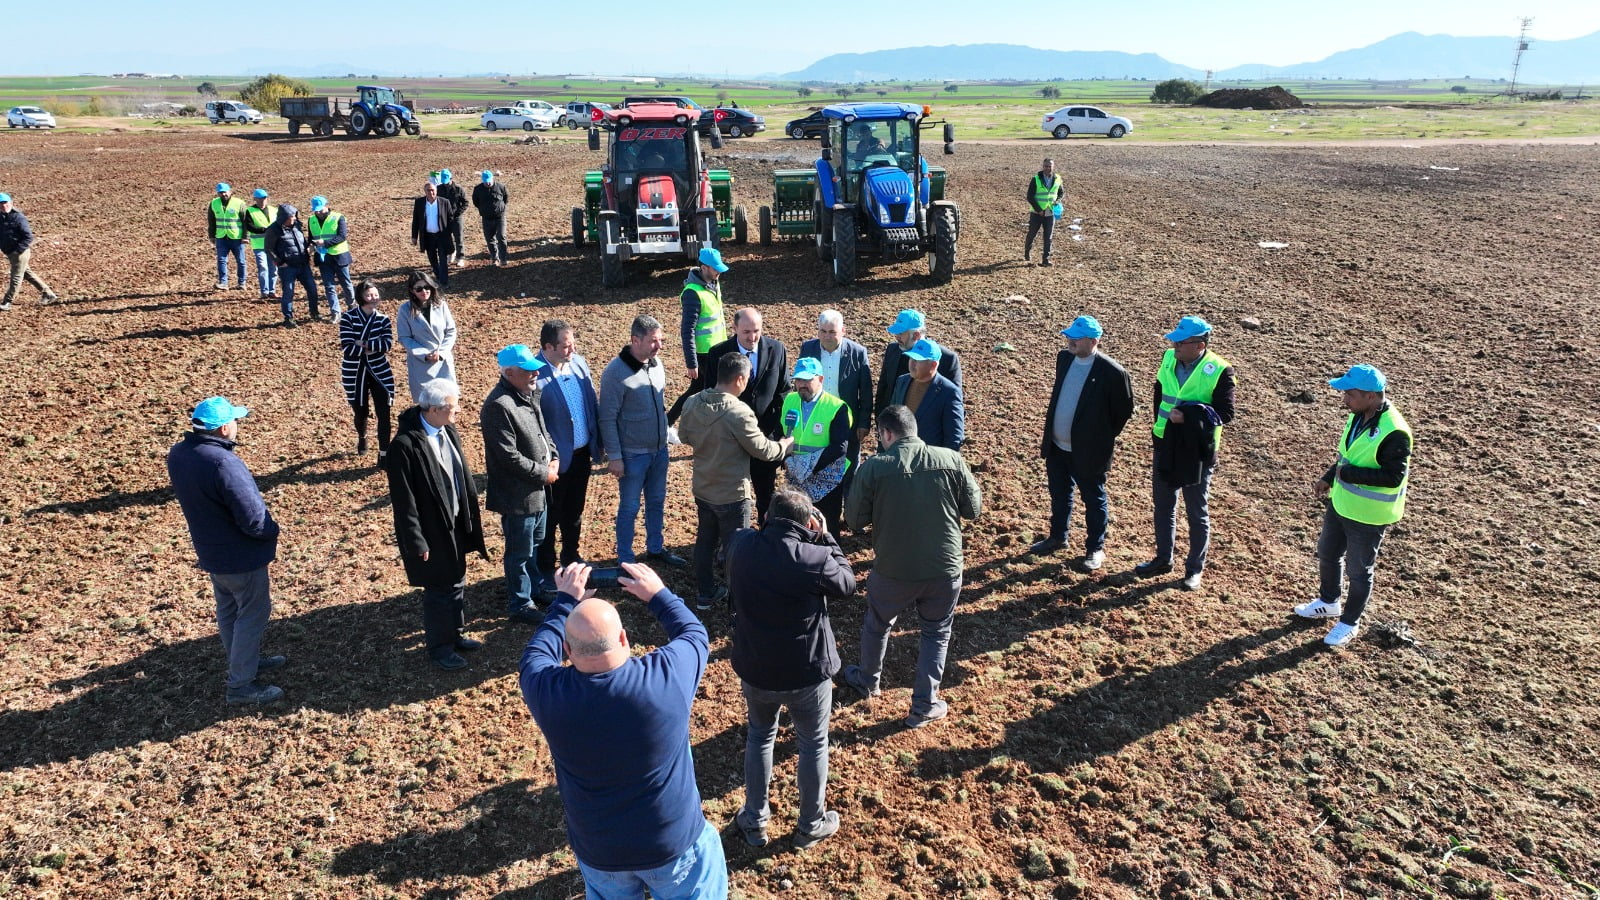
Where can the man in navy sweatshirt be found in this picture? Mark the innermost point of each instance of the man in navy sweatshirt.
(618, 731)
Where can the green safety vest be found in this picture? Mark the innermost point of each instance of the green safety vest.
(811, 433)
(1045, 194)
(1367, 503)
(330, 227)
(227, 216)
(708, 329)
(1198, 389)
(260, 218)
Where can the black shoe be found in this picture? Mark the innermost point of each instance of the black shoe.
(268, 663)
(1045, 264)
(667, 557)
(1152, 568)
(527, 613)
(253, 693)
(467, 645)
(1048, 545)
(361, 443)
(706, 604)
(290, 323)
(316, 317)
(450, 661)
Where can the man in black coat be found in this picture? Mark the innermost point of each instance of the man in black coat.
(846, 374)
(1090, 402)
(436, 520)
(432, 221)
(449, 190)
(907, 328)
(490, 199)
(769, 382)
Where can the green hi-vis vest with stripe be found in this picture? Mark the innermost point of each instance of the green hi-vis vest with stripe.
(1367, 503)
(810, 433)
(228, 223)
(328, 229)
(708, 329)
(1202, 383)
(260, 218)
(1046, 193)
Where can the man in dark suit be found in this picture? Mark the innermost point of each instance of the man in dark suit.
(573, 416)
(769, 382)
(1090, 402)
(908, 328)
(432, 219)
(436, 520)
(932, 398)
(846, 375)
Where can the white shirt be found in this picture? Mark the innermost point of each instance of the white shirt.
(830, 367)
(431, 207)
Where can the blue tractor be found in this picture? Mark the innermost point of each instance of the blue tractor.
(381, 110)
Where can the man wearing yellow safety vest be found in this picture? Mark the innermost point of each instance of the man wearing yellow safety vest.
(820, 424)
(258, 217)
(1193, 400)
(1045, 190)
(330, 238)
(1366, 492)
(701, 325)
(225, 227)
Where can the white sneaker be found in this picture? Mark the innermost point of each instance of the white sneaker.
(1341, 634)
(672, 435)
(1094, 561)
(1319, 609)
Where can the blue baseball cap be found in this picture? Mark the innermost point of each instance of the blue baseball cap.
(807, 367)
(319, 204)
(444, 176)
(908, 320)
(1360, 378)
(214, 412)
(520, 356)
(5, 198)
(925, 350)
(1084, 327)
(487, 176)
(259, 193)
(711, 256)
(224, 188)
(1189, 327)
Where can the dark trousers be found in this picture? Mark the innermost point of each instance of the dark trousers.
(1061, 478)
(832, 507)
(764, 480)
(437, 245)
(1196, 508)
(1348, 547)
(444, 617)
(703, 362)
(455, 236)
(566, 498)
(716, 524)
(1037, 221)
(494, 234)
(376, 396)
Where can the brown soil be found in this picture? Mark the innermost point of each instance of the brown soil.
(1107, 737)
(1250, 98)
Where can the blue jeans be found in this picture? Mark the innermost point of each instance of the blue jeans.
(266, 274)
(809, 708)
(287, 278)
(334, 276)
(1060, 477)
(935, 603)
(700, 873)
(1194, 505)
(244, 603)
(523, 535)
(1348, 547)
(227, 247)
(646, 474)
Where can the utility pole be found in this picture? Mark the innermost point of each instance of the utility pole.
(1208, 81)
(1522, 47)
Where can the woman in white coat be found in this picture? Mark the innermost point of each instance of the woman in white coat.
(428, 332)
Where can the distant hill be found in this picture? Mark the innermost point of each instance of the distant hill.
(983, 62)
(1412, 55)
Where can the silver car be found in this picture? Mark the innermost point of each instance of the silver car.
(1080, 119)
(29, 117)
(512, 117)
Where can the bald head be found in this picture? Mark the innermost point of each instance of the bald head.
(747, 327)
(595, 639)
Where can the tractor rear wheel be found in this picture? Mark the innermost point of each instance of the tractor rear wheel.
(844, 247)
(942, 259)
(611, 271)
(578, 228)
(822, 228)
(359, 123)
(706, 231)
(1061, 132)
(390, 126)
(764, 217)
(741, 226)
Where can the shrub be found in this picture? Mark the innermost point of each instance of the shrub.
(1177, 90)
(951, 88)
(206, 89)
(1050, 92)
(802, 91)
(265, 92)
(1458, 89)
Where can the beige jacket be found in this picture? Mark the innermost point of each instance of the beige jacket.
(723, 432)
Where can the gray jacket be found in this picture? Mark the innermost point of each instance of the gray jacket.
(516, 451)
(633, 408)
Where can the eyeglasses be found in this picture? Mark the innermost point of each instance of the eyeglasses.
(422, 289)
(1190, 342)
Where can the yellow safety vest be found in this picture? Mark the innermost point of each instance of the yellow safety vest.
(328, 228)
(1199, 387)
(709, 330)
(228, 224)
(1045, 194)
(811, 432)
(1367, 503)
(260, 218)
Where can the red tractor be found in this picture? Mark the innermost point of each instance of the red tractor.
(654, 196)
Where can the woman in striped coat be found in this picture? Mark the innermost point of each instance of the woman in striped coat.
(365, 336)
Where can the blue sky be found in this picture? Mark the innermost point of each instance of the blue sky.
(740, 38)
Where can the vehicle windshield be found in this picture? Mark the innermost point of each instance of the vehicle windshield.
(29, 109)
(869, 144)
(652, 150)
(378, 95)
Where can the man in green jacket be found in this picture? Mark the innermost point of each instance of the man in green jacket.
(914, 496)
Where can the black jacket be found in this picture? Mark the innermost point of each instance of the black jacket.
(490, 200)
(895, 364)
(780, 579)
(855, 378)
(1394, 459)
(1104, 408)
(419, 221)
(15, 235)
(421, 499)
(456, 196)
(768, 385)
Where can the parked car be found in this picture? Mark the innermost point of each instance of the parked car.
(552, 115)
(512, 117)
(811, 126)
(680, 102)
(1085, 120)
(733, 121)
(580, 113)
(231, 111)
(29, 117)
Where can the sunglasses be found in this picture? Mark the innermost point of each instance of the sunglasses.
(422, 289)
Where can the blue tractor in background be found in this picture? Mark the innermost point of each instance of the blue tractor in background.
(382, 111)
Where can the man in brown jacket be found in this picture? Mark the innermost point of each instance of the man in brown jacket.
(725, 437)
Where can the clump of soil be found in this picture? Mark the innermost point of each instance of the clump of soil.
(1241, 98)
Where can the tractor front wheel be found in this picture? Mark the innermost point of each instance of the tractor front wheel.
(764, 218)
(390, 126)
(578, 229)
(942, 260)
(822, 228)
(741, 226)
(844, 247)
(611, 272)
(706, 231)
(359, 123)
(413, 129)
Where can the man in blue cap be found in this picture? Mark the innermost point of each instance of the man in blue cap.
(258, 217)
(449, 190)
(1193, 400)
(520, 459)
(16, 241)
(821, 426)
(489, 197)
(700, 324)
(1365, 490)
(933, 399)
(907, 328)
(1091, 401)
(225, 227)
(330, 236)
(234, 537)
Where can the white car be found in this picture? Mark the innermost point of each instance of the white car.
(1085, 120)
(549, 113)
(511, 117)
(29, 117)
